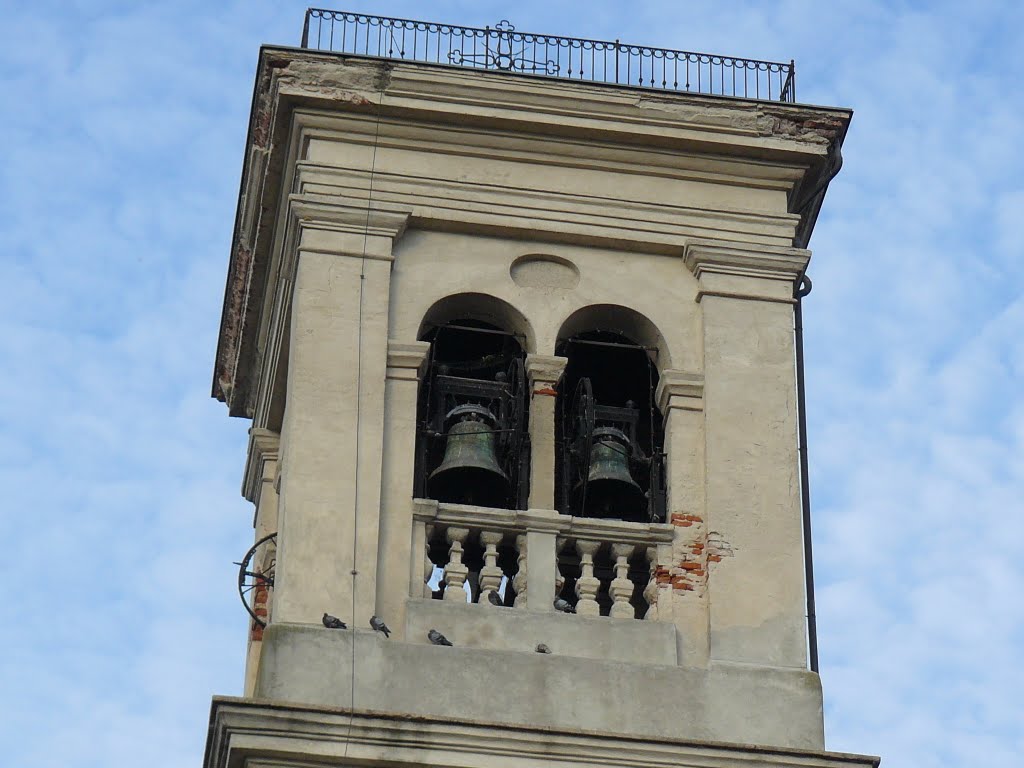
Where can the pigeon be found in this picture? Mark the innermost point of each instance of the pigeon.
(495, 599)
(541, 648)
(437, 638)
(564, 606)
(378, 625)
(333, 622)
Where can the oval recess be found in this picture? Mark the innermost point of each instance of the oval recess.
(539, 270)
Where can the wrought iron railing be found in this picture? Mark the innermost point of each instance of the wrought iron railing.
(503, 48)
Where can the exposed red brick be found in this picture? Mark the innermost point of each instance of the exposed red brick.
(688, 566)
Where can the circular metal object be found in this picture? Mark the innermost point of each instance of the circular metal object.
(249, 578)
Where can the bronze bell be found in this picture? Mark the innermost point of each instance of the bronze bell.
(470, 473)
(611, 490)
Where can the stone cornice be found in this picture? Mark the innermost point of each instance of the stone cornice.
(738, 271)
(659, 226)
(548, 520)
(319, 221)
(550, 105)
(758, 261)
(283, 735)
(407, 360)
(679, 390)
(544, 372)
(264, 446)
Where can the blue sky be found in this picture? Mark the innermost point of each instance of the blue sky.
(123, 128)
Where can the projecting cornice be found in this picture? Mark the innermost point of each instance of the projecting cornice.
(346, 228)
(679, 389)
(264, 446)
(733, 271)
(544, 371)
(250, 731)
(407, 360)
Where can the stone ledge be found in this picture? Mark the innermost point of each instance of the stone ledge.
(486, 627)
(517, 521)
(263, 733)
(310, 665)
(407, 358)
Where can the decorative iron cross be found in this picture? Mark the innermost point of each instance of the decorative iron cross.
(503, 56)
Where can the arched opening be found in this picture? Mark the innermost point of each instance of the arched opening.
(609, 431)
(610, 436)
(472, 437)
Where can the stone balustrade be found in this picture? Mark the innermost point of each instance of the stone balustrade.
(530, 557)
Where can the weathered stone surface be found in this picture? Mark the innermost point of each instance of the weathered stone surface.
(305, 664)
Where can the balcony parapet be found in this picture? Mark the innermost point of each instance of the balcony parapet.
(531, 558)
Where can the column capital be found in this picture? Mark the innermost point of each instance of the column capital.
(679, 389)
(346, 228)
(544, 371)
(407, 360)
(742, 271)
(264, 445)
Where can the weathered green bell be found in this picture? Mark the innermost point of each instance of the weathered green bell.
(611, 490)
(470, 473)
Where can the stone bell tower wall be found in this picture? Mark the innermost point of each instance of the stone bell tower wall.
(376, 192)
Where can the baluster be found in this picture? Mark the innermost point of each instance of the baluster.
(428, 566)
(559, 578)
(621, 588)
(587, 585)
(651, 590)
(455, 571)
(490, 574)
(519, 580)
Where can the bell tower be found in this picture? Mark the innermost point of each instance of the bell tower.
(513, 318)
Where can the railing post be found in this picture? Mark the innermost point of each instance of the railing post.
(621, 588)
(520, 580)
(587, 585)
(455, 572)
(420, 573)
(305, 29)
(490, 574)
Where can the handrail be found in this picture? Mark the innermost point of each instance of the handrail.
(505, 49)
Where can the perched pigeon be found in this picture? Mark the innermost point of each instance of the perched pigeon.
(379, 626)
(495, 599)
(541, 648)
(437, 638)
(564, 606)
(333, 622)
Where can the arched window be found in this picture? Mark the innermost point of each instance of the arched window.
(472, 438)
(609, 430)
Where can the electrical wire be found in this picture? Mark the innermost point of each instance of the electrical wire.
(358, 429)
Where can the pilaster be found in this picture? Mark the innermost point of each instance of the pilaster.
(398, 552)
(680, 398)
(752, 521)
(261, 467)
(543, 373)
(332, 433)
(260, 473)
